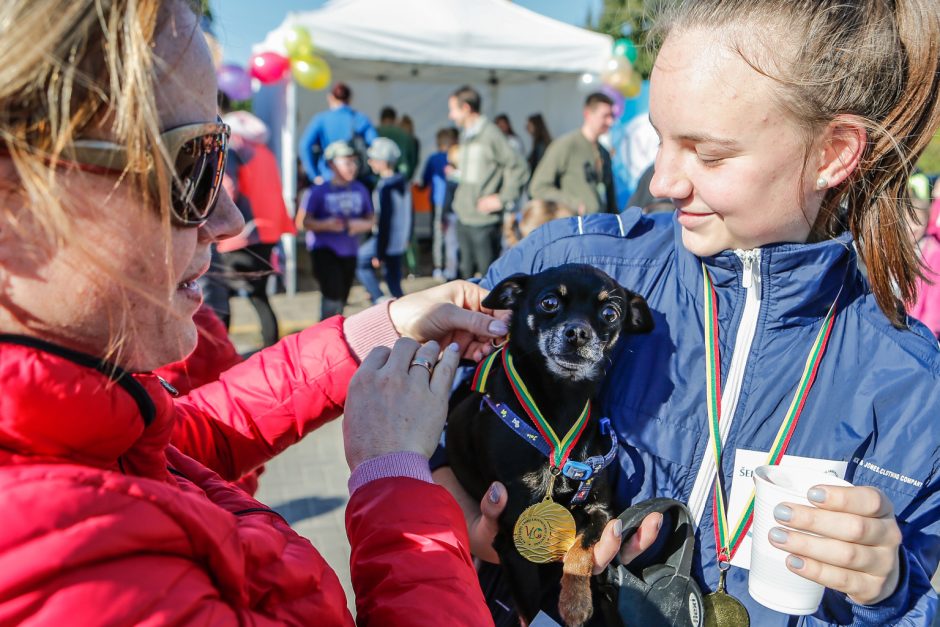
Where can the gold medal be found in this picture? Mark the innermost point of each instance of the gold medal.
(545, 531)
(723, 610)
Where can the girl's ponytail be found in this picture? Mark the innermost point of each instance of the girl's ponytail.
(878, 204)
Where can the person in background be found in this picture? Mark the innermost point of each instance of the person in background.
(541, 138)
(119, 504)
(253, 181)
(390, 128)
(434, 176)
(408, 125)
(335, 215)
(451, 241)
(505, 125)
(491, 178)
(925, 230)
(340, 123)
(533, 215)
(644, 199)
(576, 168)
(392, 231)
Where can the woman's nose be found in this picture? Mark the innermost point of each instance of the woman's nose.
(225, 222)
(669, 180)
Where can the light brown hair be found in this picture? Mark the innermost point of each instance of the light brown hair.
(533, 215)
(875, 61)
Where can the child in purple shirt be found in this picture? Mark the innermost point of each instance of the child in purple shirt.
(336, 213)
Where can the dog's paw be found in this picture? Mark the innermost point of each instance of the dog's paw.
(574, 603)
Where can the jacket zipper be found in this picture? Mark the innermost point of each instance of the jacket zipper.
(731, 392)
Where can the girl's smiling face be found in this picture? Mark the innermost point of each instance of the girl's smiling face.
(730, 158)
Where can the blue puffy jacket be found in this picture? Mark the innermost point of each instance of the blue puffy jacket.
(875, 406)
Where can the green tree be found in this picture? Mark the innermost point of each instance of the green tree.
(930, 159)
(632, 19)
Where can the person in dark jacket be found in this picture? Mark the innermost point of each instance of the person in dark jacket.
(339, 123)
(770, 346)
(392, 231)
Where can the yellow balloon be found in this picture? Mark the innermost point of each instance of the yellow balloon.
(633, 87)
(618, 80)
(298, 43)
(311, 72)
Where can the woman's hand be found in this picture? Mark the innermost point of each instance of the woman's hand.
(450, 313)
(483, 524)
(394, 406)
(857, 548)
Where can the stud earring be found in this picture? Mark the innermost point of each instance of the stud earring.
(822, 182)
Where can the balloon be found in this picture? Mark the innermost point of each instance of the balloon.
(298, 42)
(625, 48)
(617, 97)
(634, 85)
(234, 82)
(589, 83)
(618, 80)
(311, 72)
(616, 65)
(268, 67)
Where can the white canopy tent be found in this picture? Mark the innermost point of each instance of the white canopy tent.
(412, 54)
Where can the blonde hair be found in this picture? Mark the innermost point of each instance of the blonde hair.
(877, 61)
(69, 68)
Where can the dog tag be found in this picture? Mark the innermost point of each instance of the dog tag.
(545, 531)
(723, 610)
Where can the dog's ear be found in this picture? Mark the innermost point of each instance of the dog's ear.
(638, 318)
(508, 293)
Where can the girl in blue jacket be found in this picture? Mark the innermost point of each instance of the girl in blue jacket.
(787, 134)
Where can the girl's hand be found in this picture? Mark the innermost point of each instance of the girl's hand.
(450, 313)
(857, 551)
(483, 524)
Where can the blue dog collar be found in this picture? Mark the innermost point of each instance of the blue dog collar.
(585, 471)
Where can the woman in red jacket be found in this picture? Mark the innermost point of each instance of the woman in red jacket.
(111, 159)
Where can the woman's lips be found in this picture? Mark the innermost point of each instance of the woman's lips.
(690, 219)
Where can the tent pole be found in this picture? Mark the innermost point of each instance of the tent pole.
(289, 182)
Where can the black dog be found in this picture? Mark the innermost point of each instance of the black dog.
(565, 322)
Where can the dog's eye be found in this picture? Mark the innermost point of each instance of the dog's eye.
(549, 304)
(610, 314)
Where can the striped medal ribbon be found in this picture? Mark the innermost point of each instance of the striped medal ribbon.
(727, 540)
(561, 447)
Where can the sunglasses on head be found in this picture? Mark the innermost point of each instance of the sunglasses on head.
(198, 153)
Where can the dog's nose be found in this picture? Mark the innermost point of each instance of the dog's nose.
(577, 333)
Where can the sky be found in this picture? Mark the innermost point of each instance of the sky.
(241, 23)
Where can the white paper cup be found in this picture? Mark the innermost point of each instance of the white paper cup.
(770, 582)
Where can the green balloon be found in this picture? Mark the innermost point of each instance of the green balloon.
(624, 47)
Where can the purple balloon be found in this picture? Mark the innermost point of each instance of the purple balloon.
(234, 81)
(617, 97)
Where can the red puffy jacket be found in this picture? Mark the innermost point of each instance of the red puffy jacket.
(106, 523)
(213, 355)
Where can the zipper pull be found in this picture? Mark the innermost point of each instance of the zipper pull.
(751, 261)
